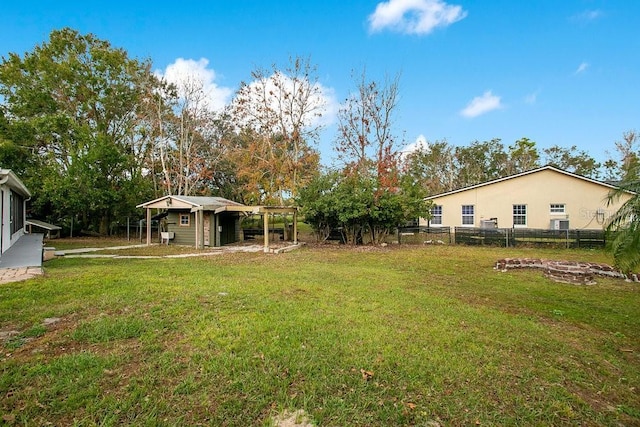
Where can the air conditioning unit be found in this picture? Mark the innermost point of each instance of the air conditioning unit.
(559, 224)
(489, 223)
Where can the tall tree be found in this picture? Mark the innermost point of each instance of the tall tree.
(522, 156)
(78, 99)
(373, 197)
(190, 147)
(280, 110)
(365, 128)
(432, 167)
(572, 160)
(479, 162)
(625, 167)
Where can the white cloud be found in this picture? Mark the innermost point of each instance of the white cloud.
(419, 144)
(331, 105)
(184, 73)
(414, 16)
(582, 68)
(481, 105)
(532, 98)
(587, 16)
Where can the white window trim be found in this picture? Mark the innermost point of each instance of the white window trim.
(431, 222)
(526, 216)
(473, 216)
(564, 209)
(188, 224)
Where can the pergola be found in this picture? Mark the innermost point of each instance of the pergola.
(265, 211)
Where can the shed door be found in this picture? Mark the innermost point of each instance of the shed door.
(228, 232)
(207, 229)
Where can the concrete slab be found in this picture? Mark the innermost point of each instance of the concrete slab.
(25, 252)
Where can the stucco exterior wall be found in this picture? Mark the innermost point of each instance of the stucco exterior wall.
(585, 201)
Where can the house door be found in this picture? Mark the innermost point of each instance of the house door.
(207, 229)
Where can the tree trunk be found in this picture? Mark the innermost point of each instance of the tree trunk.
(104, 225)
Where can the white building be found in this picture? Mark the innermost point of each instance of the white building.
(13, 201)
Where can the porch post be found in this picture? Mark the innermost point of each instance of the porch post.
(265, 222)
(148, 226)
(201, 229)
(197, 233)
(295, 227)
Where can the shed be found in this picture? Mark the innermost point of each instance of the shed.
(207, 221)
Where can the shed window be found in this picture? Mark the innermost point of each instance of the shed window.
(468, 215)
(184, 220)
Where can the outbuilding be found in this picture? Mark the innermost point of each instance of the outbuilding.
(207, 221)
(542, 198)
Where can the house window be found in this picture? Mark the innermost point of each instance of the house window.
(557, 208)
(468, 217)
(16, 212)
(436, 215)
(519, 215)
(184, 220)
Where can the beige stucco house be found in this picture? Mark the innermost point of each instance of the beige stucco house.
(543, 198)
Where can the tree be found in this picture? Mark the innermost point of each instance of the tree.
(523, 156)
(479, 162)
(317, 201)
(432, 167)
(623, 227)
(350, 203)
(626, 167)
(190, 144)
(279, 112)
(370, 195)
(77, 100)
(365, 141)
(572, 160)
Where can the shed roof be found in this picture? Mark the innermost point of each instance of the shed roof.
(189, 202)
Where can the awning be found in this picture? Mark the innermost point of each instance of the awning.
(42, 224)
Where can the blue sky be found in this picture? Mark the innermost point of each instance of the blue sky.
(557, 72)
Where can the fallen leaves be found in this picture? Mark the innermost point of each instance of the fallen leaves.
(366, 375)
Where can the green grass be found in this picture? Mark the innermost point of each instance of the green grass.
(90, 242)
(395, 336)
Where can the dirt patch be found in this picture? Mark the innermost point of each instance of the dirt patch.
(292, 419)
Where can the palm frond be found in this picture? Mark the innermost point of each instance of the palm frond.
(623, 228)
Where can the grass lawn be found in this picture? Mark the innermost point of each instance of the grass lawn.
(428, 336)
(90, 242)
